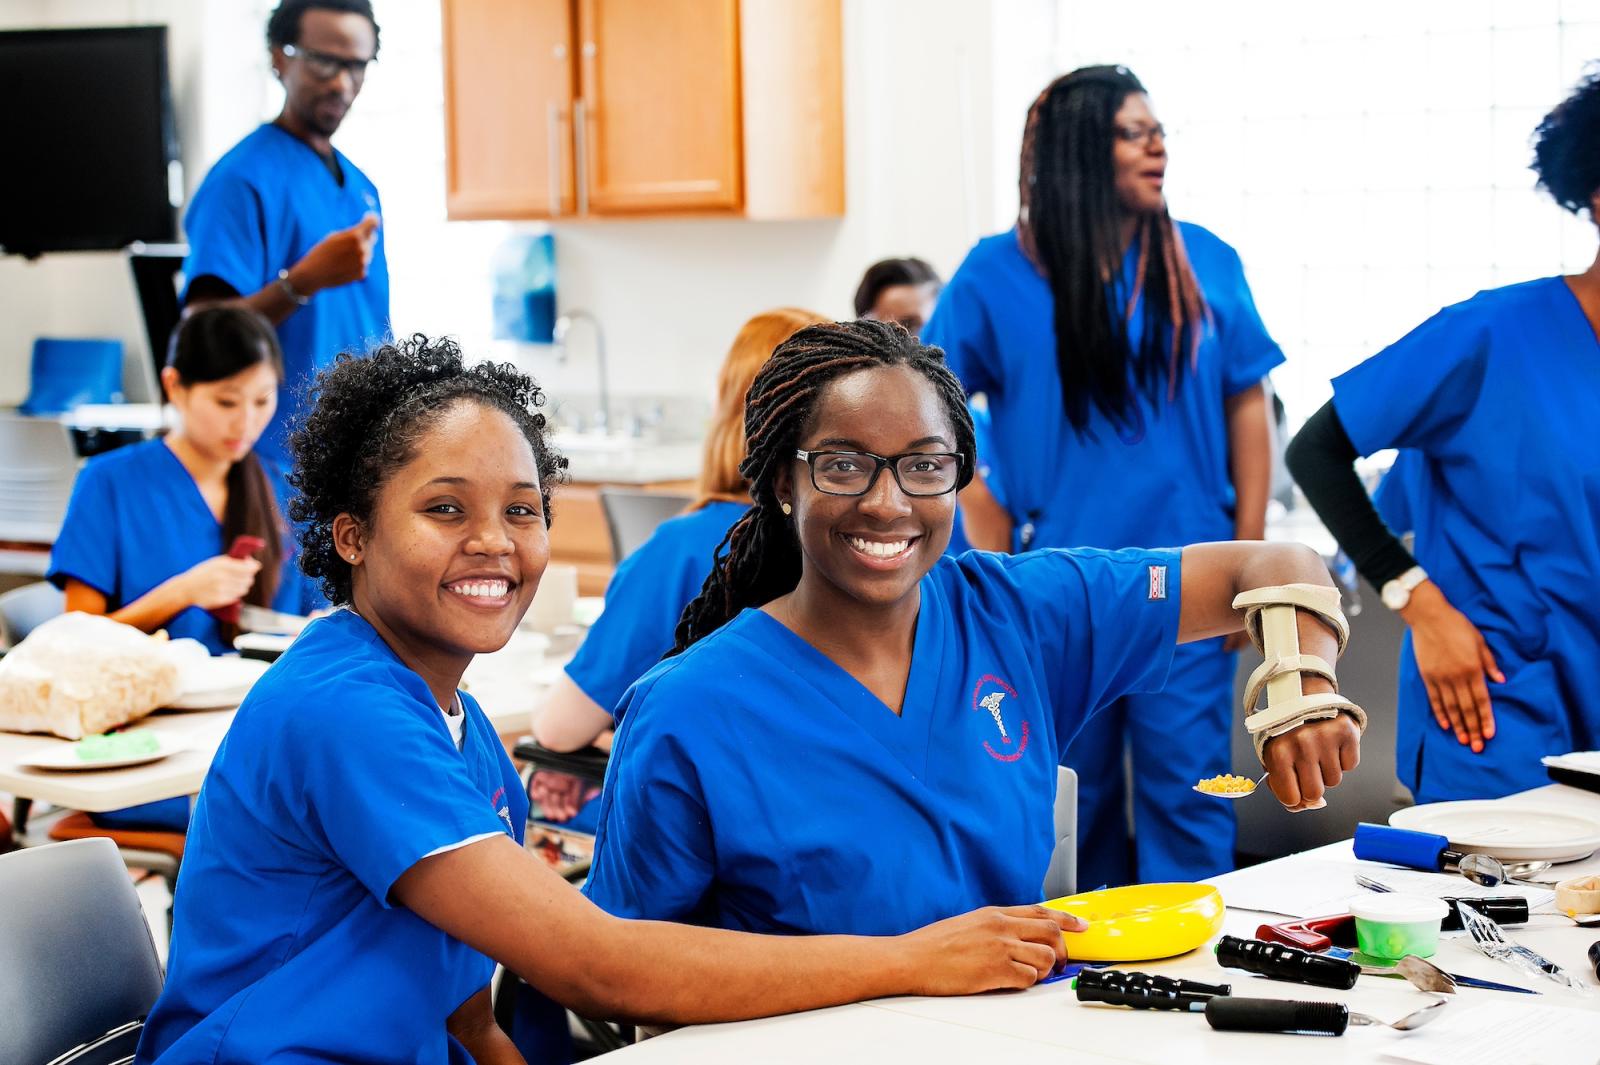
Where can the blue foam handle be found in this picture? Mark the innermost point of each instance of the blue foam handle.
(1400, 846)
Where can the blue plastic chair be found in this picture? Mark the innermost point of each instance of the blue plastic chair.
(71, 371)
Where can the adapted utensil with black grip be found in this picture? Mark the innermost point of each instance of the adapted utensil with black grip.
(1145, 991)
(1287, 1016)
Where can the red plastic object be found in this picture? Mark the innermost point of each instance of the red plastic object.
(242, 547)
(1312, 933)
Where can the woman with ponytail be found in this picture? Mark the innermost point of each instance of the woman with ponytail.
(146, 535)
(1123, 361)
(858, 732)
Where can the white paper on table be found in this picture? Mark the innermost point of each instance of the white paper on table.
(1320, 887)
(1503, 1033)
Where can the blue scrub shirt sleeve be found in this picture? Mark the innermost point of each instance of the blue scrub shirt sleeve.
(654, 853)
(637, 625)
(379, 785)
(1106, 623)
(1419, 390)
(88, 547)
(960, 325)
(226, 226)
(1249, 352)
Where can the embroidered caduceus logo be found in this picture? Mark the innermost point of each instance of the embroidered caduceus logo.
(991, 694)
(991, 703)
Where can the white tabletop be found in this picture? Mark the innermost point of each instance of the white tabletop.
(507, 685)
(1047, 1023)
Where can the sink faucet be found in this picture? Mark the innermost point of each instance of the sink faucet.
(559, 339)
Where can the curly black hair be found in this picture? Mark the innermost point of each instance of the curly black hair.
(367, 414)
(1566, 146)
(283, 25)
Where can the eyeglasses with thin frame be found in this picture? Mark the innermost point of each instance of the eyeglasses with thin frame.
(324, 65)
(853, 473)
(1141, 135)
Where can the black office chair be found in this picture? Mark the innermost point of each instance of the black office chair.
(633, 514)
(78, 969)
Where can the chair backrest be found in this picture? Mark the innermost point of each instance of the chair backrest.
(633, 514)
(24, 609)
(1061, 878)
(70, 371)
(37, 467)
(76, 957)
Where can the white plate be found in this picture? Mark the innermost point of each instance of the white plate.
(216, 683)
(1505, 830)
(65, 757)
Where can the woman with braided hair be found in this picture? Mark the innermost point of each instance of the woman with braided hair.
(859, 732)
(1123, 361)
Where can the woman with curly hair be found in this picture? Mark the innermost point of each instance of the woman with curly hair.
(837, 650)
(1495, 404)
(355, 866)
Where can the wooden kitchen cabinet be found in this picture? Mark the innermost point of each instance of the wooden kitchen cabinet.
(614, 108)
(492, 172)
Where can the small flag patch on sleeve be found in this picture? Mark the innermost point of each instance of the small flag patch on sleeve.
(1158, 582)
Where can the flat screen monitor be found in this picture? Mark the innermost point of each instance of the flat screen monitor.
(91, 150)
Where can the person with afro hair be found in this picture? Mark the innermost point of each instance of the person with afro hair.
(1494, 404)
(355, 867)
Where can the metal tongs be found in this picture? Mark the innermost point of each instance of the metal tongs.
(1491, 941)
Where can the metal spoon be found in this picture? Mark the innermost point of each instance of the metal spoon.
(1232, 794)
(1414, 1019)
(1491, 872)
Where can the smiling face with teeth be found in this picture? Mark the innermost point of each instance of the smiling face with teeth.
(870, 549)
(456, 544)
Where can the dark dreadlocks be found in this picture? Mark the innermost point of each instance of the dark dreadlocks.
(1070, 227)
(759, 559)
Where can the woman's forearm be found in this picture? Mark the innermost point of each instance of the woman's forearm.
(988, 524)
(147, 613)
(1249, 461)
(569, 719)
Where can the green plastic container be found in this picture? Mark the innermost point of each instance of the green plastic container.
(1391, 926)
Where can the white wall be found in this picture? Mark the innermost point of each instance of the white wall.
(921, 171)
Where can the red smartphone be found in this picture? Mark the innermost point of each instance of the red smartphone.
(242, 547)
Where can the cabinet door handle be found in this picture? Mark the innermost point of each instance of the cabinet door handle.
(553, 130)
(580, 130)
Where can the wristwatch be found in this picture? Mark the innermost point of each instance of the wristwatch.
(288, 289)
(1397, 593)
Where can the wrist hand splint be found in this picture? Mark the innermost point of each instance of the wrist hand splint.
(1271, 620)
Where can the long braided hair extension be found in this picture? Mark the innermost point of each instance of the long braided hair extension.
(759, 559)
(1069, 226)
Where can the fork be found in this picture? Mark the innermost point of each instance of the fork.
(1491, 941)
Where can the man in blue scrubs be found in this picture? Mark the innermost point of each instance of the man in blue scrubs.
(288, 224)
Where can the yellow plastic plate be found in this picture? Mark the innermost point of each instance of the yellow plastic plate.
(1142, 922)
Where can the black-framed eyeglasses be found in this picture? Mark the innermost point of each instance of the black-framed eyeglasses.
(324, 65)
(1141, 134)
(853, 473)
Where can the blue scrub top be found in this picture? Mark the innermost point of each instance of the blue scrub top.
(337, 775)
(1161, 480)
(137, 518)
(265, 204)
(1496, 402)
(756, 785)
(645, 598)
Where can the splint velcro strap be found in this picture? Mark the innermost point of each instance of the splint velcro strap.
(1315, 598)
(1277, 667)
(1275, 721)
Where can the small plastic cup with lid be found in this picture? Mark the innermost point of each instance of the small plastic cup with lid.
(1390, 926)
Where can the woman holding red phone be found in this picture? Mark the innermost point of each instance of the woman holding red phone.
(175, 533)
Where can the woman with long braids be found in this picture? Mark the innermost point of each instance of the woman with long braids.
(860, 733)
(1123, 362)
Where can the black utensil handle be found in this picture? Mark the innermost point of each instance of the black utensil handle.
(1503, 909)
(1277, 1015)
